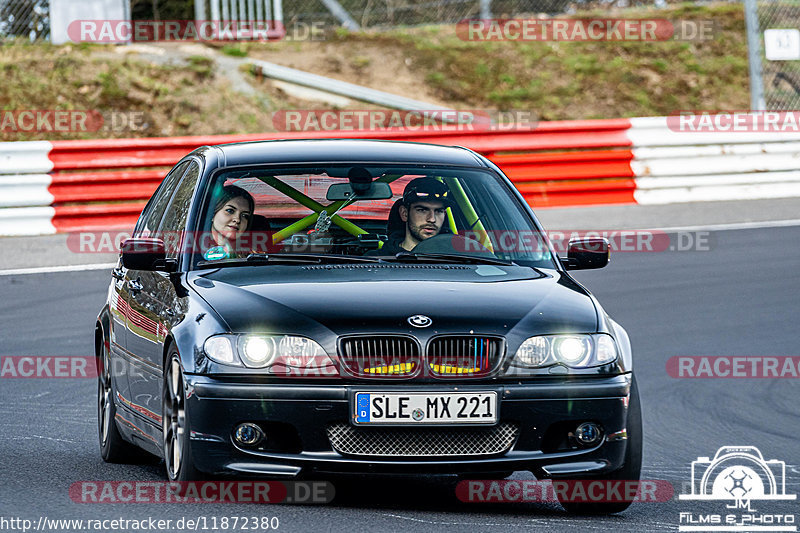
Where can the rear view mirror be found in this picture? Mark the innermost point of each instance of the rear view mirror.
(144, 253)
(585, 254)
(344, 191)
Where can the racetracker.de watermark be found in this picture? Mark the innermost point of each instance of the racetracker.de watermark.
(71, 121)
(507, 241)
(590, 29)
(117, 31)
(583, 491)
(734, 367)
(301, 492)
(47, 366)
(87, 366)
(734, 121)
(404, 120)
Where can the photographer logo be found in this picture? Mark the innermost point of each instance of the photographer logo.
(738, 476)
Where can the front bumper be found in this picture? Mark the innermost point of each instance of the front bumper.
(299, 415)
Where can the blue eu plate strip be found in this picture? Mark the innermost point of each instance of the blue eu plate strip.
(362, 408)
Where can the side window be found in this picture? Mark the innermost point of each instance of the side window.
(152, 214)
(176, 214)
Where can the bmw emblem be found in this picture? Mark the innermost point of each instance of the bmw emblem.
(417, 414)
(420, 321)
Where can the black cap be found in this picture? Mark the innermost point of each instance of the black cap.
(426, 190)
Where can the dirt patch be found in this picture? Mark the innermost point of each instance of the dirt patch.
(384, 66)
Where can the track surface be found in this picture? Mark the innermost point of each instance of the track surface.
(739, 298)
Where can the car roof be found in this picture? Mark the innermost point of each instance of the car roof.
(345, 150)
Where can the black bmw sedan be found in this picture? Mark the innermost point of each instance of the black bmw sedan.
(289, 308)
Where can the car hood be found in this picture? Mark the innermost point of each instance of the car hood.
(521, 303)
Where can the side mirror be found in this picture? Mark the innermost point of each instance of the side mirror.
(585, 254)
(145, 253)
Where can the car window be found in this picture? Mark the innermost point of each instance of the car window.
(174, 222)
(154, 211)
(483, 218)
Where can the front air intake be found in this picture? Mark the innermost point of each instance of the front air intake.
(380, 356)
(423, 441)
(464, 356)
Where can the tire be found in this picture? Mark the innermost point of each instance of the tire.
(113, 448)
(631, 469)
(175, 424)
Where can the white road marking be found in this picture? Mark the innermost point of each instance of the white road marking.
(584, 524)
(63, 268)
(526, 524)
(31, 437)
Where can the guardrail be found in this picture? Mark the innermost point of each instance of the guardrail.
(676, 166)
(48, 187)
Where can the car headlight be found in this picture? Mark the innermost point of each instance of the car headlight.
(574, 351)
(291, 346)
(263, 351)
(533, 352)
(219, 349)
(257, 351)
(606, 351)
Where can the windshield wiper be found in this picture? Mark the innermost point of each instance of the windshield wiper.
(311, 258)
(410, 257)
(286, 259)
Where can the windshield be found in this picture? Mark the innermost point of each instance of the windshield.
(380, 213)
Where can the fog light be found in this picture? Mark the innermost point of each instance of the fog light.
(588, 433)
(248, 434)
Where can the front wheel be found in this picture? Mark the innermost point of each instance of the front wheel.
(113, 448)
(175, 427)
(631, 470)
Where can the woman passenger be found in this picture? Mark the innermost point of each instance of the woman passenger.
(233, 213)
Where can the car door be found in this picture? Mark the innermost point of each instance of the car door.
(158, 304)
(132, 332)
(118, 304)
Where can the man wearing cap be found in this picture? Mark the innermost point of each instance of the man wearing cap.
(423, 210)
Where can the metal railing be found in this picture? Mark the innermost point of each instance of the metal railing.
(239, 10)
(30, 19)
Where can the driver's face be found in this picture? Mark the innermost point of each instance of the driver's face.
(424, 219)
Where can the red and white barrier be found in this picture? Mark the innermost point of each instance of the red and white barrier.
(58, 186)
(28, 157)
(679, 166)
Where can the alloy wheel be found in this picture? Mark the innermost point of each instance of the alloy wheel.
(104, 397)
(174, 424)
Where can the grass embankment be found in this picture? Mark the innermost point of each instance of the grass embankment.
(164, 100)
(553, 80)
(558, 80)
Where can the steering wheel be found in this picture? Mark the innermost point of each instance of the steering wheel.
(446, 243)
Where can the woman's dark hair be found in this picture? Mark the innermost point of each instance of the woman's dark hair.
(229, 192)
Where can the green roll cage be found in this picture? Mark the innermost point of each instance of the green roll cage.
(454, 185)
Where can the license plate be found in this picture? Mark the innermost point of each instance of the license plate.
(425, 408)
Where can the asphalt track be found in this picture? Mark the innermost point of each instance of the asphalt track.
(740, 297)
